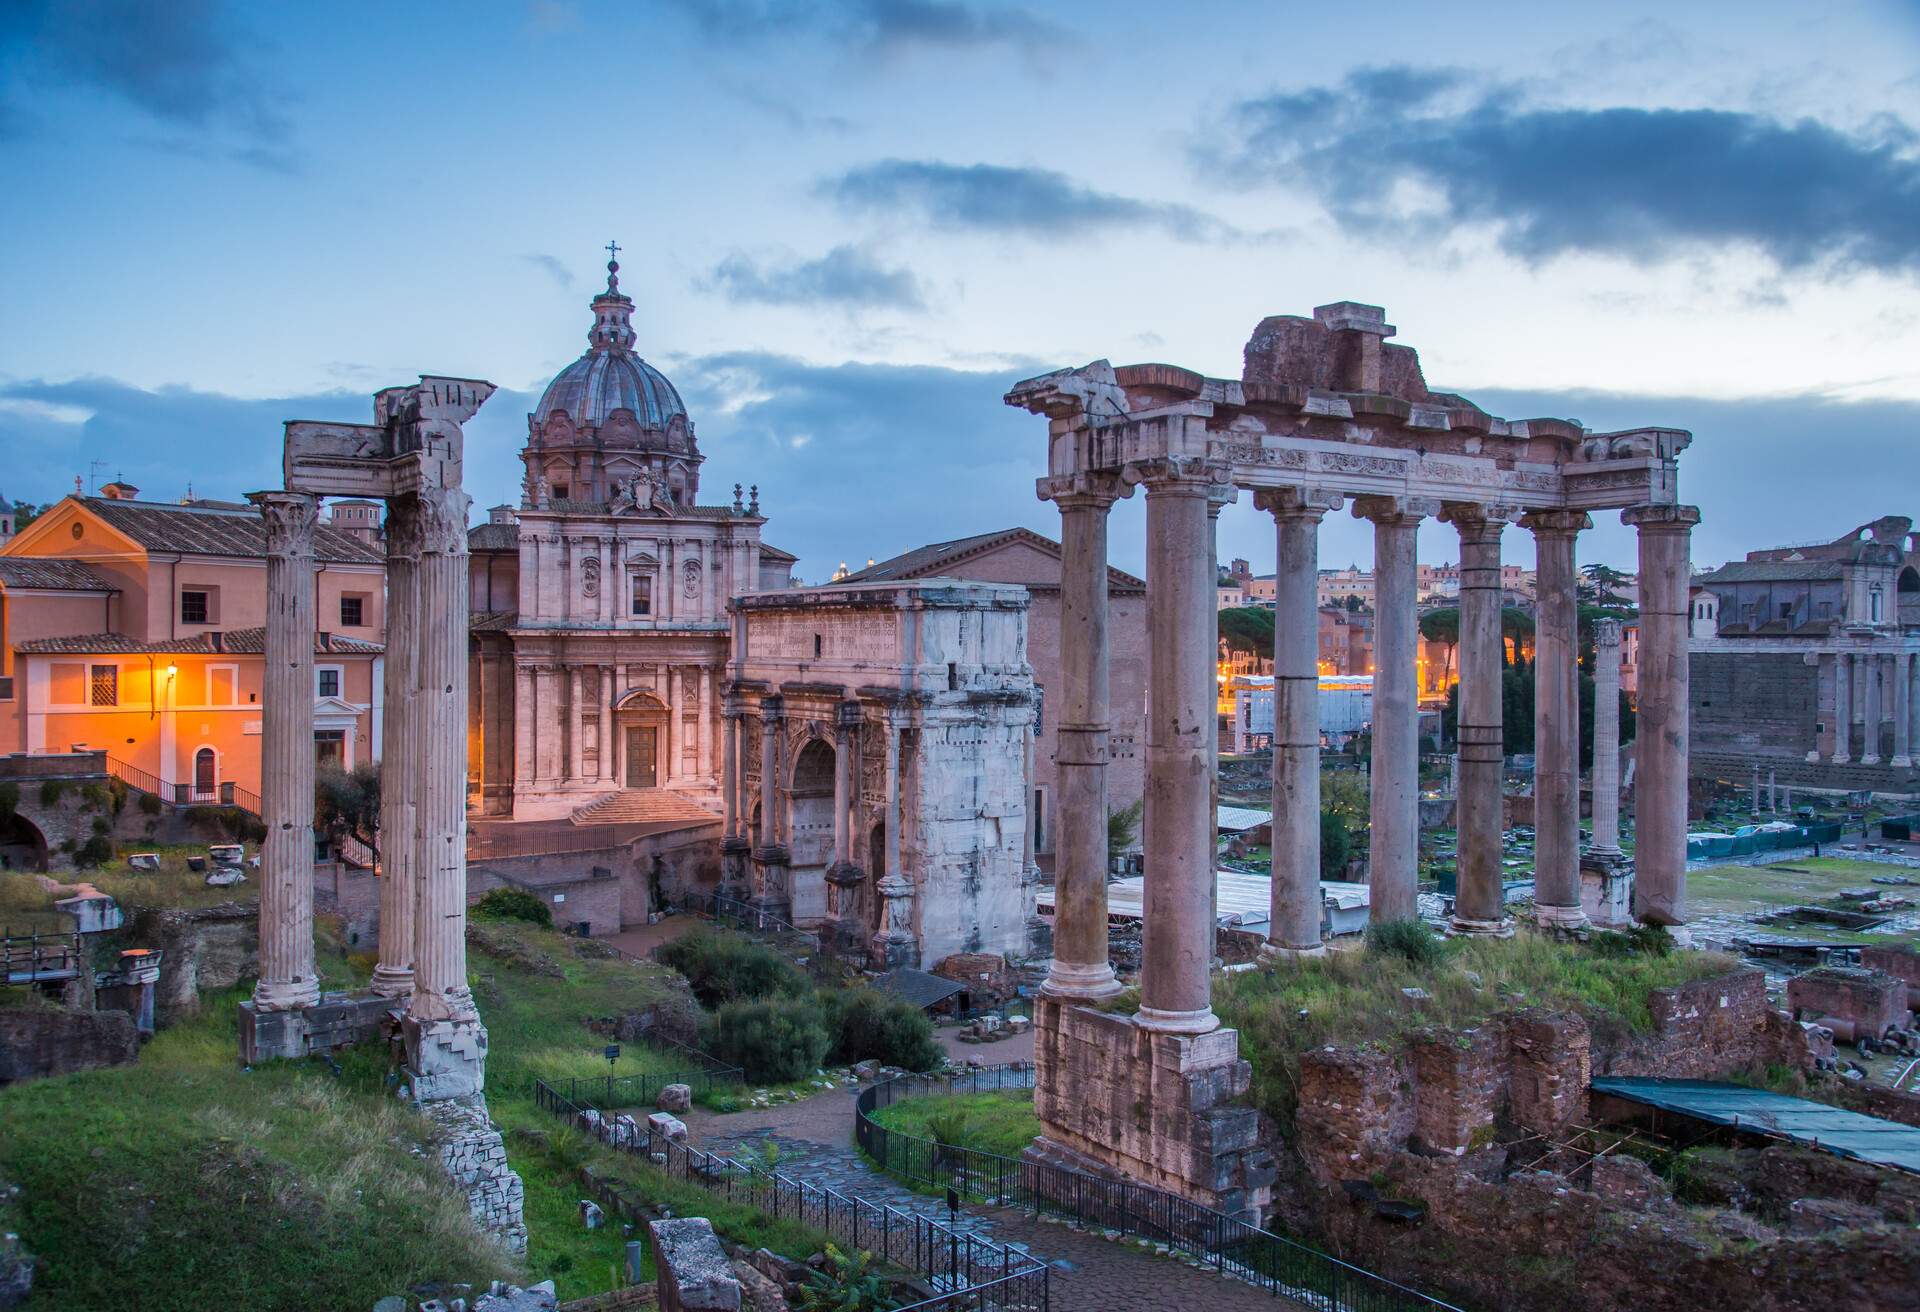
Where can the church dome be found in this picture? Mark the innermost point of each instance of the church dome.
(610, 376)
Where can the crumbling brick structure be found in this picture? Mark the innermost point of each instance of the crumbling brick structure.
(1900, 961)
(1853, 1001)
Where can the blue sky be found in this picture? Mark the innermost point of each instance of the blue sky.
(849, 226)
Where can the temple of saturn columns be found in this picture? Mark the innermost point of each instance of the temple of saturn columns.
(1326, 414)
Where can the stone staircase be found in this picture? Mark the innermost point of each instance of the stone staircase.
(643, 806)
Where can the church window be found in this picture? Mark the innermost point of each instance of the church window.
(819, 644)
(560, 491)
(105, 686)
(643, 594)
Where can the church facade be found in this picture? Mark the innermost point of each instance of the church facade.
(600, 625)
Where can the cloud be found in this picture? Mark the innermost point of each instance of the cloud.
(993, 198)
(846, 277)
(553, 268)
(1396, 149)
(176, 62)
(881, 27)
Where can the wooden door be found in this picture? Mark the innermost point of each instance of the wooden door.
(640, 756)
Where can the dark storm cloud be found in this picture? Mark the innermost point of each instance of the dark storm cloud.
(845, 277)
(881, 26)
(994, 198)
(178, 62)
(1640, 183)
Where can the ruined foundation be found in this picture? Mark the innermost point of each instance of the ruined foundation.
(338, 1020)
(1113, 1096)
(475, 1158)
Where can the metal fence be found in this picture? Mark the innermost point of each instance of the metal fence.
(1277, 1264)
(609, 1092)
(741, 915)
(965, 1270)
(497, 842)
(36, 958)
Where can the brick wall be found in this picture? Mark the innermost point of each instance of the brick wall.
(1870, 1001)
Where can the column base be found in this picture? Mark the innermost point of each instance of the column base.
(894, 953)
(1567, 918)
(445, 1058)
(1067, 981)
(1900, 762)
(1202, 1021)
(1870, 760)
(394, 984)
(1813, 758)
(1271, 951)
(1841, 758)
(286, 995)
(335, 1020)
(1469, 928)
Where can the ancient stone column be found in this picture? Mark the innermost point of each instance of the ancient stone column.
(576, 730)
(1660, 805)
(1394, 814)
(1902, 711)
(399, 753)
(1556, 718)
(842, 781)
(1177, 947)
(773, 891)
(1842, 708)
(844, 876)
(525, 759)
(1754, 804)
(1606, 740)
(609, 749)
(1870, 664)
(769, 771)
(730, 770)
(893, 943)
(288, 980)
(1294, 908)
(1773, 803)
(1079, 968)
(445, 1054)
(1479, 906)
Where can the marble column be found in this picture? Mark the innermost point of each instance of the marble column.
(1394, 811)
(1177, 948)
(526, 758)
(770, 708)
(609, 751)
(1902, 711)
(399, 752)
(1660, 792)
(844, 729)
(844, 876)
(893, 943)
(773, 888)
(288, 980)
(1556, 719)
(1294, 906)
(705, 737)
(576, 728)
(1842, 708)
(441, 997)
(1606, 740)
(729, 771)
(1479, 905)
(1870, 674)
(1080, 968)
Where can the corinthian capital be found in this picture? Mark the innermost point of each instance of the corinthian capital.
(290, 518)
(442, 520)
(1084, 491)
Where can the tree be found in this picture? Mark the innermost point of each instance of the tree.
(1123, 826)
(1249, 629)
(1443, 626)
(1600, 585)
(347, 802)
(1353, 603)
(25, 512)
(1336, 844)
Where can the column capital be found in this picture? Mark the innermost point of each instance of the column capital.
(1297, 502)
(1086, 491)
(1470, 515)
(442, 521)
(402, 528)
(847, 717)
(290, 519)
(1555, 523)
(772, 707)
(1395, 509)
(1182, 476)
(1606, 631)
(1661, 519)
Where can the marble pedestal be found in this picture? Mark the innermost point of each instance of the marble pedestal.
(445, 1058)
(736, 870)
(1606, 890)
(772, 883)
(338, 1020)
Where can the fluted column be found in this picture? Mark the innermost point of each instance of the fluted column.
(440, 856)
(770, 708)
(288, 980)
(1870, 670)
(1556, 718)
(399, 752)
(576, 728)
(1479, 906)
(893, 944)
(1394, 807)
(1660, 794)
(1080, 968)
(1842, 708)
(843, 732)
(1606, 740)
(1295, 903)
(730, 770)
(1177, 951)
(1902, 710)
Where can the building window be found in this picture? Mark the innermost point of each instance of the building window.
(327, 678)
(819, 644)
(193, 608)
(103, 685)
(330, 747)
(1786, 610)
(643, 594)
(560, 491)
(353, 610)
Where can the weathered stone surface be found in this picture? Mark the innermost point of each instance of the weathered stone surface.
(1551, 1066)
(1898, 960)
(206, 949)
(988, 979)
(48, 1040)
(474, 1157)
(1863, 1001)
(694, 1274)
(675, 1098)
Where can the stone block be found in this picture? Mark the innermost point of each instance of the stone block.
(1870, 1002)
(666, 1126)
(675, 1098)
(37, 1041)
(445, 1058)
(694, 1274)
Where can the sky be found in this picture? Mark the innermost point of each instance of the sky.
(849, 227)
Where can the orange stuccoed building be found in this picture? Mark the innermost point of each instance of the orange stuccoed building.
(136, 628)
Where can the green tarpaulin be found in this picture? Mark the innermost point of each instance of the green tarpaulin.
(1835, 1129)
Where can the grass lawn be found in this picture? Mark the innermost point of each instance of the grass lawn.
(181, 1182)
(1736, 891)
(1000, 1122)
(1285, 1008)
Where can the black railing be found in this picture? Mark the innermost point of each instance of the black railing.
(608, 1092)
(740, 915)
(1279, 1265)
(965, 1270)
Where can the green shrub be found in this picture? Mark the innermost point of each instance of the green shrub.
(52, 791)
(512, 904)
(1410, 940)
(149, 804)
(849, 1285)
(9, 799)
(1640, 941)
(96, 851)
(773, 1041)
(723, 968)
(869, 1025)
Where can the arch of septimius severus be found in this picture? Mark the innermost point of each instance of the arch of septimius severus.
(1327, 413)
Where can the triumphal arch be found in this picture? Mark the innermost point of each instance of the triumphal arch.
(1326, 415)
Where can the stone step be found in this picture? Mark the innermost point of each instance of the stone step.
(634, 806)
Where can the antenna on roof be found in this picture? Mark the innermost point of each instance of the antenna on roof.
(93, 474)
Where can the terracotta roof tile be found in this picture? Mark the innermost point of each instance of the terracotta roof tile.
(935, 559)
(206, 530)
(52, 573)
(245, 642)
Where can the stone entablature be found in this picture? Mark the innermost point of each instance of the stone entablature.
(878, 758)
